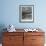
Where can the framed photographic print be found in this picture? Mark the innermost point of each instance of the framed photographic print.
(26, 13)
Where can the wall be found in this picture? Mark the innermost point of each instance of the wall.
(9, 13)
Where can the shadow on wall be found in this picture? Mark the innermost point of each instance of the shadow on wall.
(2, 26)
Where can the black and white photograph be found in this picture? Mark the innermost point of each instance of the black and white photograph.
(26, 13)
